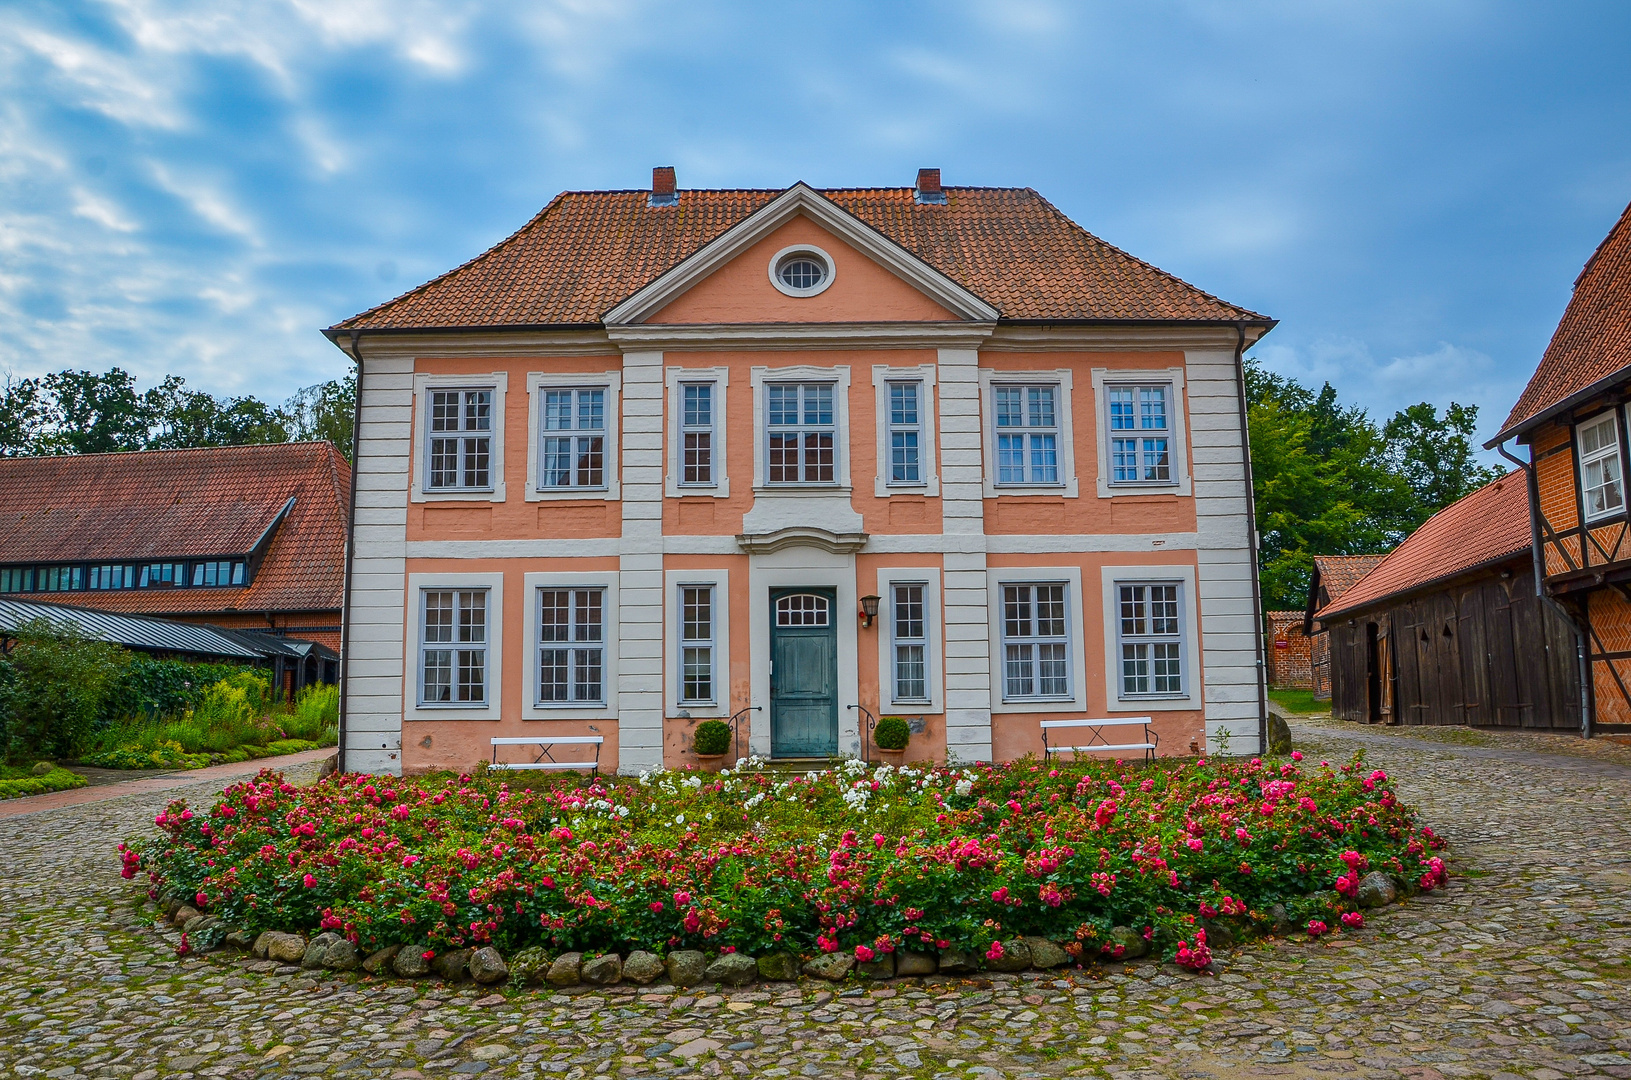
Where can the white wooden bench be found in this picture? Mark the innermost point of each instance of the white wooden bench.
(1097, 731)
(545, 759)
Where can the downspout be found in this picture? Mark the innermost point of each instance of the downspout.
(350, 553)
(1253, 544)
(1536, 558)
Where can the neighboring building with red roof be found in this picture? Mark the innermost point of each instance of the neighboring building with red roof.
(1447, 629)
(242, 537)
(793, 459)
(1572, 418)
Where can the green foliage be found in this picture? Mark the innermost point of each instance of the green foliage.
(55, 690)
(151, 687)
(165, 754)
(712, 737)
(1329, 481)
(891, 733)
(1299, 701)
(58, 779)
(316, 712)
(325, 411)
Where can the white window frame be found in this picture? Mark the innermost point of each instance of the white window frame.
(676, 379)
(578, 602)
(1071, 577)
(538, 382)
(882, 484)
(418, 585)
(1112, 578)
(819, 287)
(1150, 638)
(531, 707)
(839, 376)
(990, 379)
(1612, 419)
(423, 384)
(1178, 441)
(673, 647)
(933, 627)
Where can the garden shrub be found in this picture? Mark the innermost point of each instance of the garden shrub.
(844, 860)
(166, 754)
(712, 737)
(25, 783)
(56, 689)
(150, 687)
(316, 712)
(891, 733)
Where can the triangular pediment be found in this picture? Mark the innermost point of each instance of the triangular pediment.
(801, 201)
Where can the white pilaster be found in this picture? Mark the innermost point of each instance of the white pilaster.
(962, 495)
(640, 567)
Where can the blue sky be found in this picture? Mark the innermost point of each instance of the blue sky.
(1411, 188)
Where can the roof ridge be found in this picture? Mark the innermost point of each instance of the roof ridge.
(155, 451)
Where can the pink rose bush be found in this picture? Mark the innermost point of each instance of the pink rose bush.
(760, 862)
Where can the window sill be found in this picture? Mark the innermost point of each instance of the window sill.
(1153, 697)
(802, 489)
(1055, 490)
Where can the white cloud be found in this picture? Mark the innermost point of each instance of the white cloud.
(94, 207)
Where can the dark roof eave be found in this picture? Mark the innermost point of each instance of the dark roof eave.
(1326, 615)
(1579, 397)
(340, 330)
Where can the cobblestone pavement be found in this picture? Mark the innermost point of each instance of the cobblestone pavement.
(1522, 968)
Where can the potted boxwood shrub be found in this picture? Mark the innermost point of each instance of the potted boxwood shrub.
(711, 740)
(891, 736)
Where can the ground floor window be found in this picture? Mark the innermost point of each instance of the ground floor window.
(1150, 639)
(1035, 641)
(571, 646)
(696, 644)
(453, 662)
(911, 642)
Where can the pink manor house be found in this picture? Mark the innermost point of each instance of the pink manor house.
(799, 457)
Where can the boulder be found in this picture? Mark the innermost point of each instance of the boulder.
(778, 967)
(342, 956)
(238, 938)
(183, 914)
(1376, 889)
(379, 962)
(1219, 934)
(831, 966)
(958, 962)
(1016, 956)
(566, 970)
(880, 967)
(1131, 941)
(276, 945)
(686, 967)
(1044, 953)
(451, 965)
(642, 967)
(1279, 735)
(603, 970)
(318, 948)
(913, 963)
(410, 963)
(732, 969)
(1279, 921)
(42, 768)
(529, 965)
(487, 965)
(199, 923)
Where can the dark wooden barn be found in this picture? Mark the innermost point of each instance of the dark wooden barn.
(1447, 628)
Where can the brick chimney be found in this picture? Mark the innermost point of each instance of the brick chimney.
(928, 188)
(663, 192)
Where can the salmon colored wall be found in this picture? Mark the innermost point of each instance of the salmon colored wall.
(459, 744)
(677, 731)
(515, 517)
(709, 516)
(1087, 513)
(861, 290)
(1014, 735)
(930, 743)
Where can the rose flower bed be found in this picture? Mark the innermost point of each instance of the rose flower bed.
(849, 861)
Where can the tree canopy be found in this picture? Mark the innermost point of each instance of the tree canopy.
(84, 412)
(1329, 480)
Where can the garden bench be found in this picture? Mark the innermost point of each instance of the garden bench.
(545, 759)
(1096, 735)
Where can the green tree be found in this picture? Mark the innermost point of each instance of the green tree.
(1434, 455)
(324, 411)
(94, 414)
(180, 417)
(25, 415)
(55, 688)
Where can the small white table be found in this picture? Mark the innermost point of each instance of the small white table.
(545, 759)
(1097, 735)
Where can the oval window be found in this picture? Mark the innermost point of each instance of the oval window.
(801, 271)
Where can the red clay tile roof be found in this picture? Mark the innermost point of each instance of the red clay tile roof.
(1487, 526)
(1339, 573)
(185, 504)
(1593, 339)
(588, 251)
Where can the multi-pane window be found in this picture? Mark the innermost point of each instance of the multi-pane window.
(1140, 435)
(573, 443)
(1602, 489)
(461, 441)
(1036, 652)
(1027, 434)
(60, 578)
(162, 574)
(571, 646)
(696, 643)
(697, 434)
(905, 432)
(800, 433)
(453, 661)
(801, 609)
(217, 572)
(911, 642)
(114, 576)
(17, 579)
(1151, 638)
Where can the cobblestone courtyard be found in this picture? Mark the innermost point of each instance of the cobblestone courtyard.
(1522, 968)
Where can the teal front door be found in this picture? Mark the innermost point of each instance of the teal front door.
(803, 673)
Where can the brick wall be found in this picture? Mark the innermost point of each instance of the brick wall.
(1289, 651)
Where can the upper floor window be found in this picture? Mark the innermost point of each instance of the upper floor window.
(61, 578)
(1027, 420)
(1140, 435)
(571, 646)
(218, 572)
(113, 576)
(800, 433)
(801, 271)
(1150, 636)
(697, 434)
(156, 574)
(573, 444)
(1035, 641)
(461, 424)
(1602, 489)
(453, 655)
(906, 432)
(17, 579)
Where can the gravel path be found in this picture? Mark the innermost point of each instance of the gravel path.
(1522, 968)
